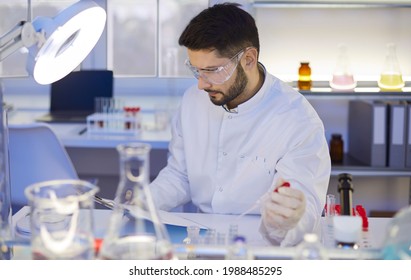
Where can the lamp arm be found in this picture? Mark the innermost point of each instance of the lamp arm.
(12, 34)
(21, 35)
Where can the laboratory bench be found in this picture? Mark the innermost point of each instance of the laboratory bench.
(176, 223)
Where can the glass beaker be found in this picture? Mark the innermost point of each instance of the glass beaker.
(342, 78)
(135, 230)
(61, 219)
(391, 77)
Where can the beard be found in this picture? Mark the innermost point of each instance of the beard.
(233, 92)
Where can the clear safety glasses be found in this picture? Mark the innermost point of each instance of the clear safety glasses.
(218, 75)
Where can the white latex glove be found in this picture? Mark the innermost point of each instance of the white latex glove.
(282, 209)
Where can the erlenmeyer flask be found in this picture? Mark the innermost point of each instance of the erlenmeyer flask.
(397, 244)
(135, 230)
(342, 78)
(391, 77)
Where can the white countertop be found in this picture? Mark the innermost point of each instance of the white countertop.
(73, 135)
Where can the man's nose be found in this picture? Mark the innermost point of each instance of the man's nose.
(203, 83)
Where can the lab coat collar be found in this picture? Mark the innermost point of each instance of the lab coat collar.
(253, 101)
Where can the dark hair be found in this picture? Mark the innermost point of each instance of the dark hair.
(224, 27)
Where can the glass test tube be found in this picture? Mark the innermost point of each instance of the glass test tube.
(330, 210)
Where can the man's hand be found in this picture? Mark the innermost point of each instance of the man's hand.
(283, 208)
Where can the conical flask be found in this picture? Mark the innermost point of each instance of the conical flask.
(135, 230)
(397, 243)
(391, 77)
(342, 78)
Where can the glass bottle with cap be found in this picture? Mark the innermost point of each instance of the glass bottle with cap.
(304, 76)
(336, 148)
(135, 230)
(238, 249)
(310, 248)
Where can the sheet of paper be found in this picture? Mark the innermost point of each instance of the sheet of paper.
(171, 218)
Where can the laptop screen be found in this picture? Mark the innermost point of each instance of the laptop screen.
(78, 90)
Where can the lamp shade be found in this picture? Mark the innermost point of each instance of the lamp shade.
(69, 38)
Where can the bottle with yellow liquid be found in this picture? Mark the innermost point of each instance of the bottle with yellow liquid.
(391, 77)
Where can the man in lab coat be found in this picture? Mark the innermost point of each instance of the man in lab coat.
(256, 133)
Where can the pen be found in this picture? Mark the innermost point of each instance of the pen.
(82, 131)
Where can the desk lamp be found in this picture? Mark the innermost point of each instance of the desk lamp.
(56, 47)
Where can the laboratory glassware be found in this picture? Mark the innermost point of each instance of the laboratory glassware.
(135, 230)
(342, 78)
(391, 77)
(397, 243)
(5, 191)
(310, 248)
(61, 219)
(304, 76)
(238, 250)
(347, 231)
(193, 235)
(336, 148)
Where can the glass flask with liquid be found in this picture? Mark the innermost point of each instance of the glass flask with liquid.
(391, 77)
(397, 244)
(342, 78)
(304, 76)
(135, 230)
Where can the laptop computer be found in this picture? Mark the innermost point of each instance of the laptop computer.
(72, 98)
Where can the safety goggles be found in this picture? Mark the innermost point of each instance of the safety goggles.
(218, 75)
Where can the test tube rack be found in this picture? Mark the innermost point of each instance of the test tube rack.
(122, 123)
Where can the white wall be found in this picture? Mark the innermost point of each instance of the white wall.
(290, 35)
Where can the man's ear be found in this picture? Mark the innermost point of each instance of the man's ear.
(251, 58)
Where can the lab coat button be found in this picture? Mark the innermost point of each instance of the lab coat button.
(224, 153)
(230, 117)
(242, 156)
(220, 189)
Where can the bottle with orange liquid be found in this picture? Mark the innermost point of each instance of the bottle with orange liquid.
(391, 77)
(304, 76)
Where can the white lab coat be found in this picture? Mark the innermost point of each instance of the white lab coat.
(224, 162)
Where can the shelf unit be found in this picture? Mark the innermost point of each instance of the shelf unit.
(365, 90)
(350, 165)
